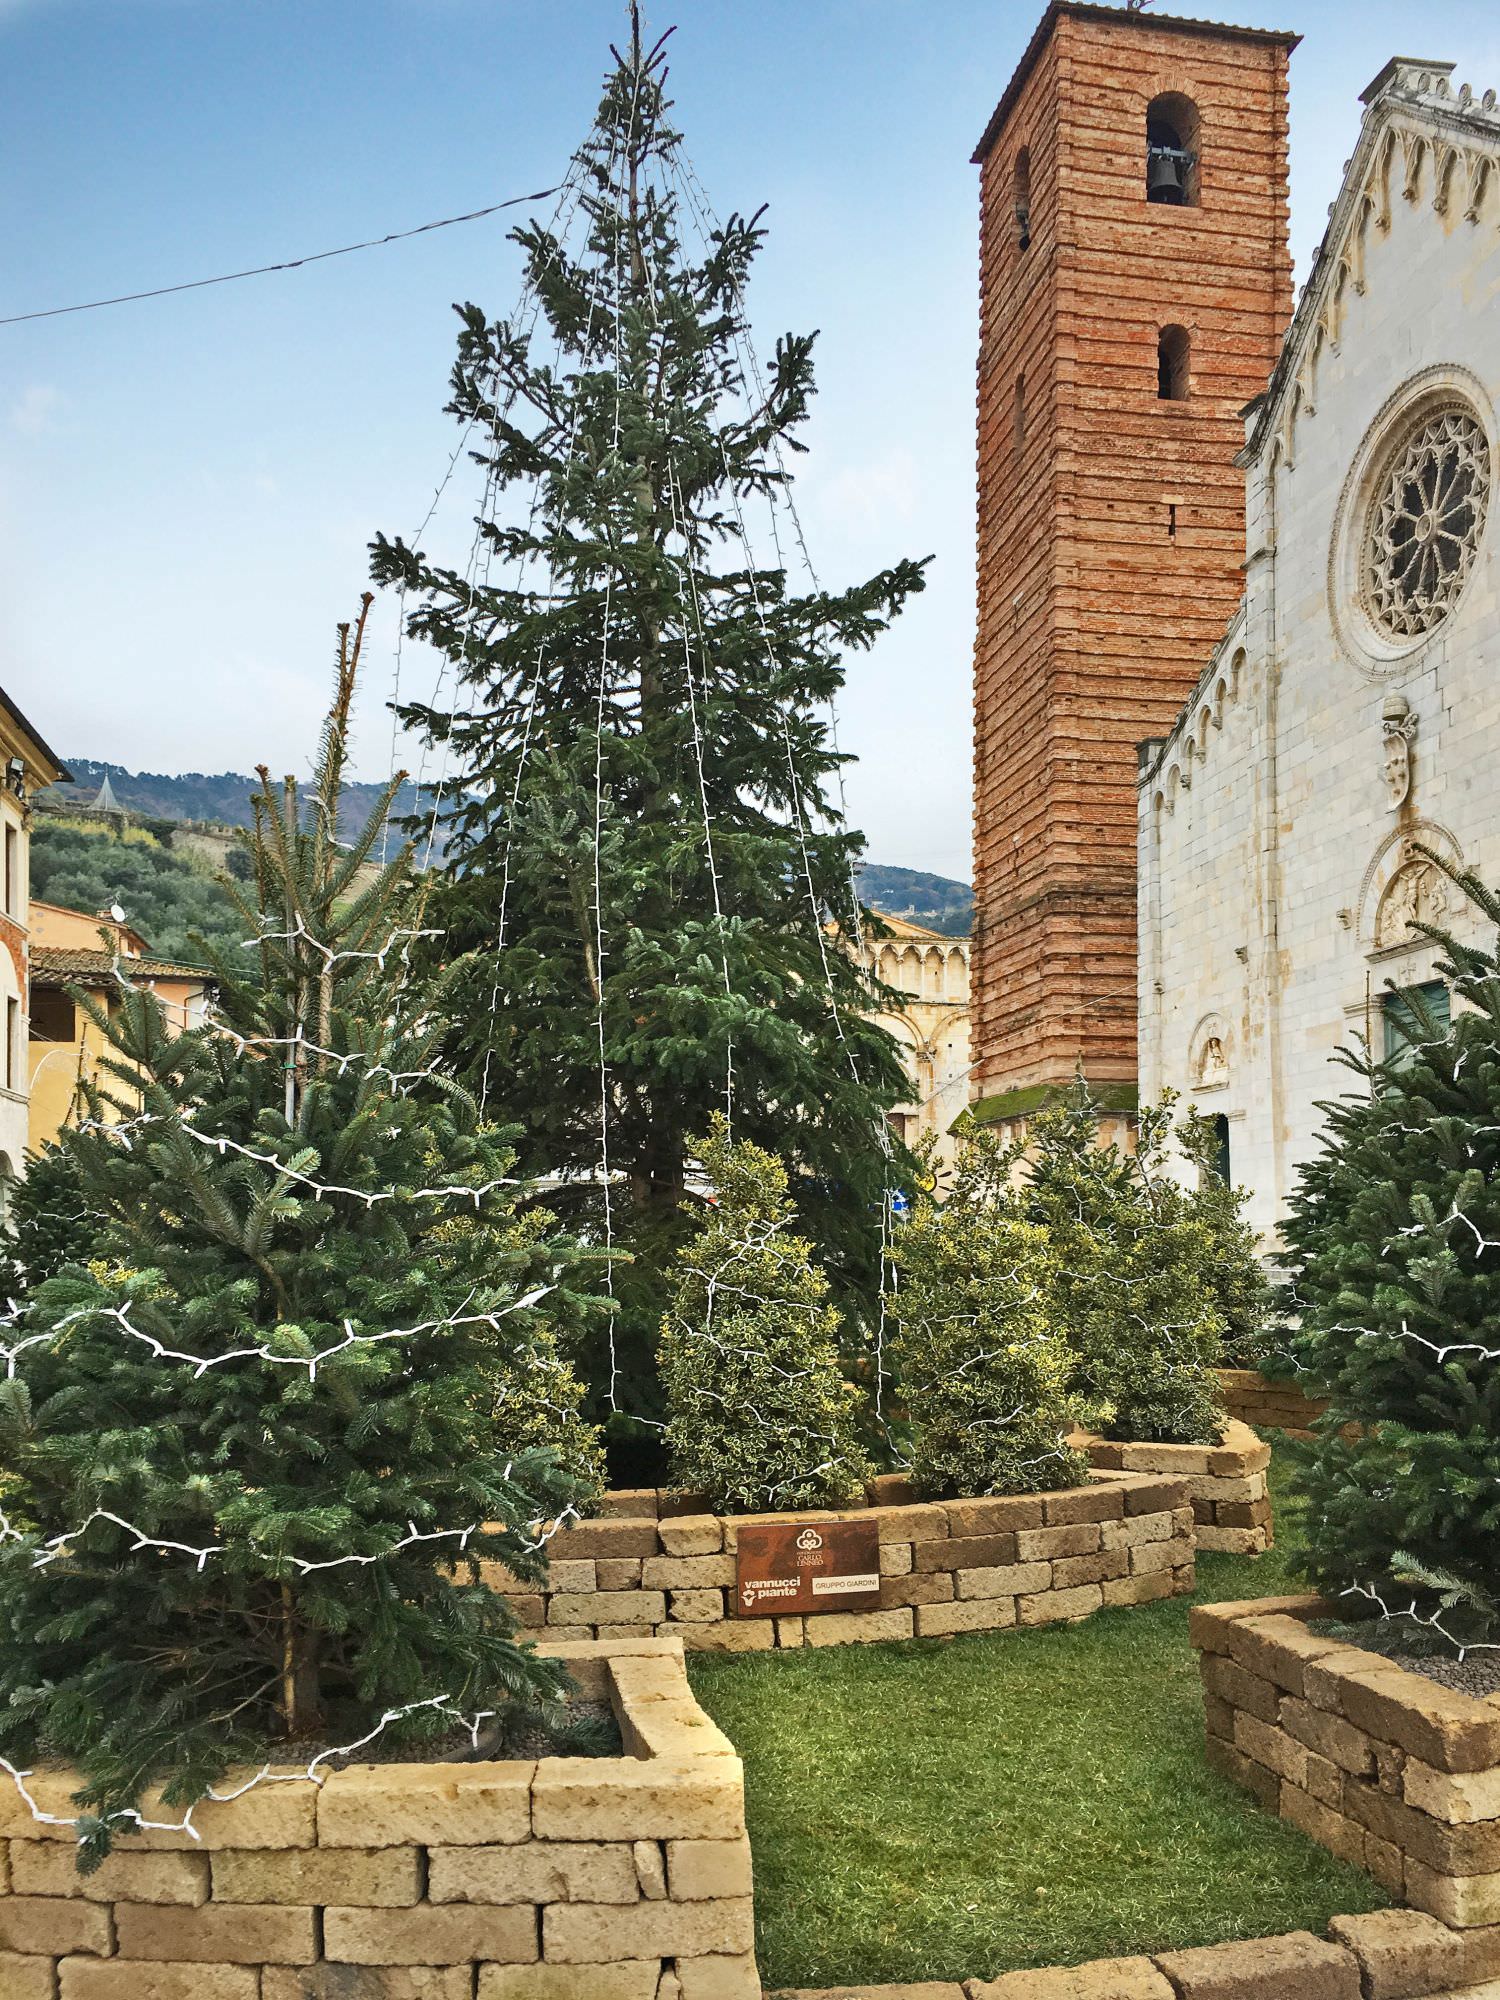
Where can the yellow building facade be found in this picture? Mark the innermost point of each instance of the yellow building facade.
(930, 972)
(72, 951)
(26, 765)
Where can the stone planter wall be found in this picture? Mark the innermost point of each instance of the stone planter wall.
(1381, 1766)
(1270, 1406)
(615, 1878)
(946, 1566)
(1226, 1483)
(1384, 1955)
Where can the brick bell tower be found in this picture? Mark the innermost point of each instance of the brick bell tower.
(1135, 287)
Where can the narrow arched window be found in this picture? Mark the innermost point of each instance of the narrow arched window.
(1021, 197)
(1172, 151)
(1173, 355)
(1020, 417)
(1223, 1164)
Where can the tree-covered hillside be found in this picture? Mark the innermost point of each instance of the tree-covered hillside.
(223, 798)
(165, 896)
(935, 900)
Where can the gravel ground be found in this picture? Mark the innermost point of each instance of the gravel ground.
(1477, 1674)
(599, 1736)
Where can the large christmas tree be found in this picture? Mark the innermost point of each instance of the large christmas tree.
(306, 1376)
(644, 848)
(1395, 1233)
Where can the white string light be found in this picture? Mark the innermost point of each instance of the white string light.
(219, 1142)
(312, 1774)
(202, 1363)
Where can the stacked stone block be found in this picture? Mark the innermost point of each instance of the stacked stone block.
(945, 1566)
(1383, 1767)
(1271, 1406)
(1227, 1483)
(1385, 1955)
(568, 1878)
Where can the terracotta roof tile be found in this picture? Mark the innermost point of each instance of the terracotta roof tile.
(56, 965)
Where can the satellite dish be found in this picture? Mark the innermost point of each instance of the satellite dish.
(116, 913)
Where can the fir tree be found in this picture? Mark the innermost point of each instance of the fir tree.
(1136, 1291)
(638, 757)
(49, 1222)
(984, 1376)
(758, 1412)
(1394, 1231)
(308, 1376)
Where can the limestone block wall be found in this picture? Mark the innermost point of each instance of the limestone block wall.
(1226, 1484)
(946, 1566)
(1270, 1406)
(1381, 1766)
(567, 1878)
(1270, 841)
(1381, 1955)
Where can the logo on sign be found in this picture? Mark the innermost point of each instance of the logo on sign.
(809, 1539)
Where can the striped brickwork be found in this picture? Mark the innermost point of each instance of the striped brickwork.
(1110, 522)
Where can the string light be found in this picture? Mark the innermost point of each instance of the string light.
(201, 1363)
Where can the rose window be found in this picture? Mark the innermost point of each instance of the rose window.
(1425, 522)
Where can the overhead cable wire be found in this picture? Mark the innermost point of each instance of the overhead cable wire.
(288, 264)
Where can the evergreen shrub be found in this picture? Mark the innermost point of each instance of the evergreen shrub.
(759, 1414)
(984, 1375)
(1136, 1294)
(1394, 1235)
(301, 1378)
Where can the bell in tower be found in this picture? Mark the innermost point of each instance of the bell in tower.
(1170, 160)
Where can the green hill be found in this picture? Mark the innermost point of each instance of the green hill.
(164, 896)
(935, 900)
(223, 798)
(220, 797)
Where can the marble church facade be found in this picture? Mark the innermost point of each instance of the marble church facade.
(1347, 727)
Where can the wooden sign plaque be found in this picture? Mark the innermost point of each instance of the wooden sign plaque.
(787, 1568)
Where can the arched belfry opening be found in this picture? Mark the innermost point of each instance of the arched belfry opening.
(1172, 130)
(1174, 349)
(1022, 191)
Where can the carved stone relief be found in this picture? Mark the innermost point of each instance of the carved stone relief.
(1417, 894)
(1398, 727)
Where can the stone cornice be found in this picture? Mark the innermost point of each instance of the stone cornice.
(1414, 120)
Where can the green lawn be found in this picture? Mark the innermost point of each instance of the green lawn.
(950, 1810)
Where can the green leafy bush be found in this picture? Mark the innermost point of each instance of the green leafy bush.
(1136, 1293)
(1394, 1233)
(984, 1377)
(758, 1413)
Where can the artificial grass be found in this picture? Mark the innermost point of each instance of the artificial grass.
(957, 1809)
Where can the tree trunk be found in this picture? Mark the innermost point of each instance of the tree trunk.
(301, 1702)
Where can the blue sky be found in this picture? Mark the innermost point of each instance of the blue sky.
(187, 485)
